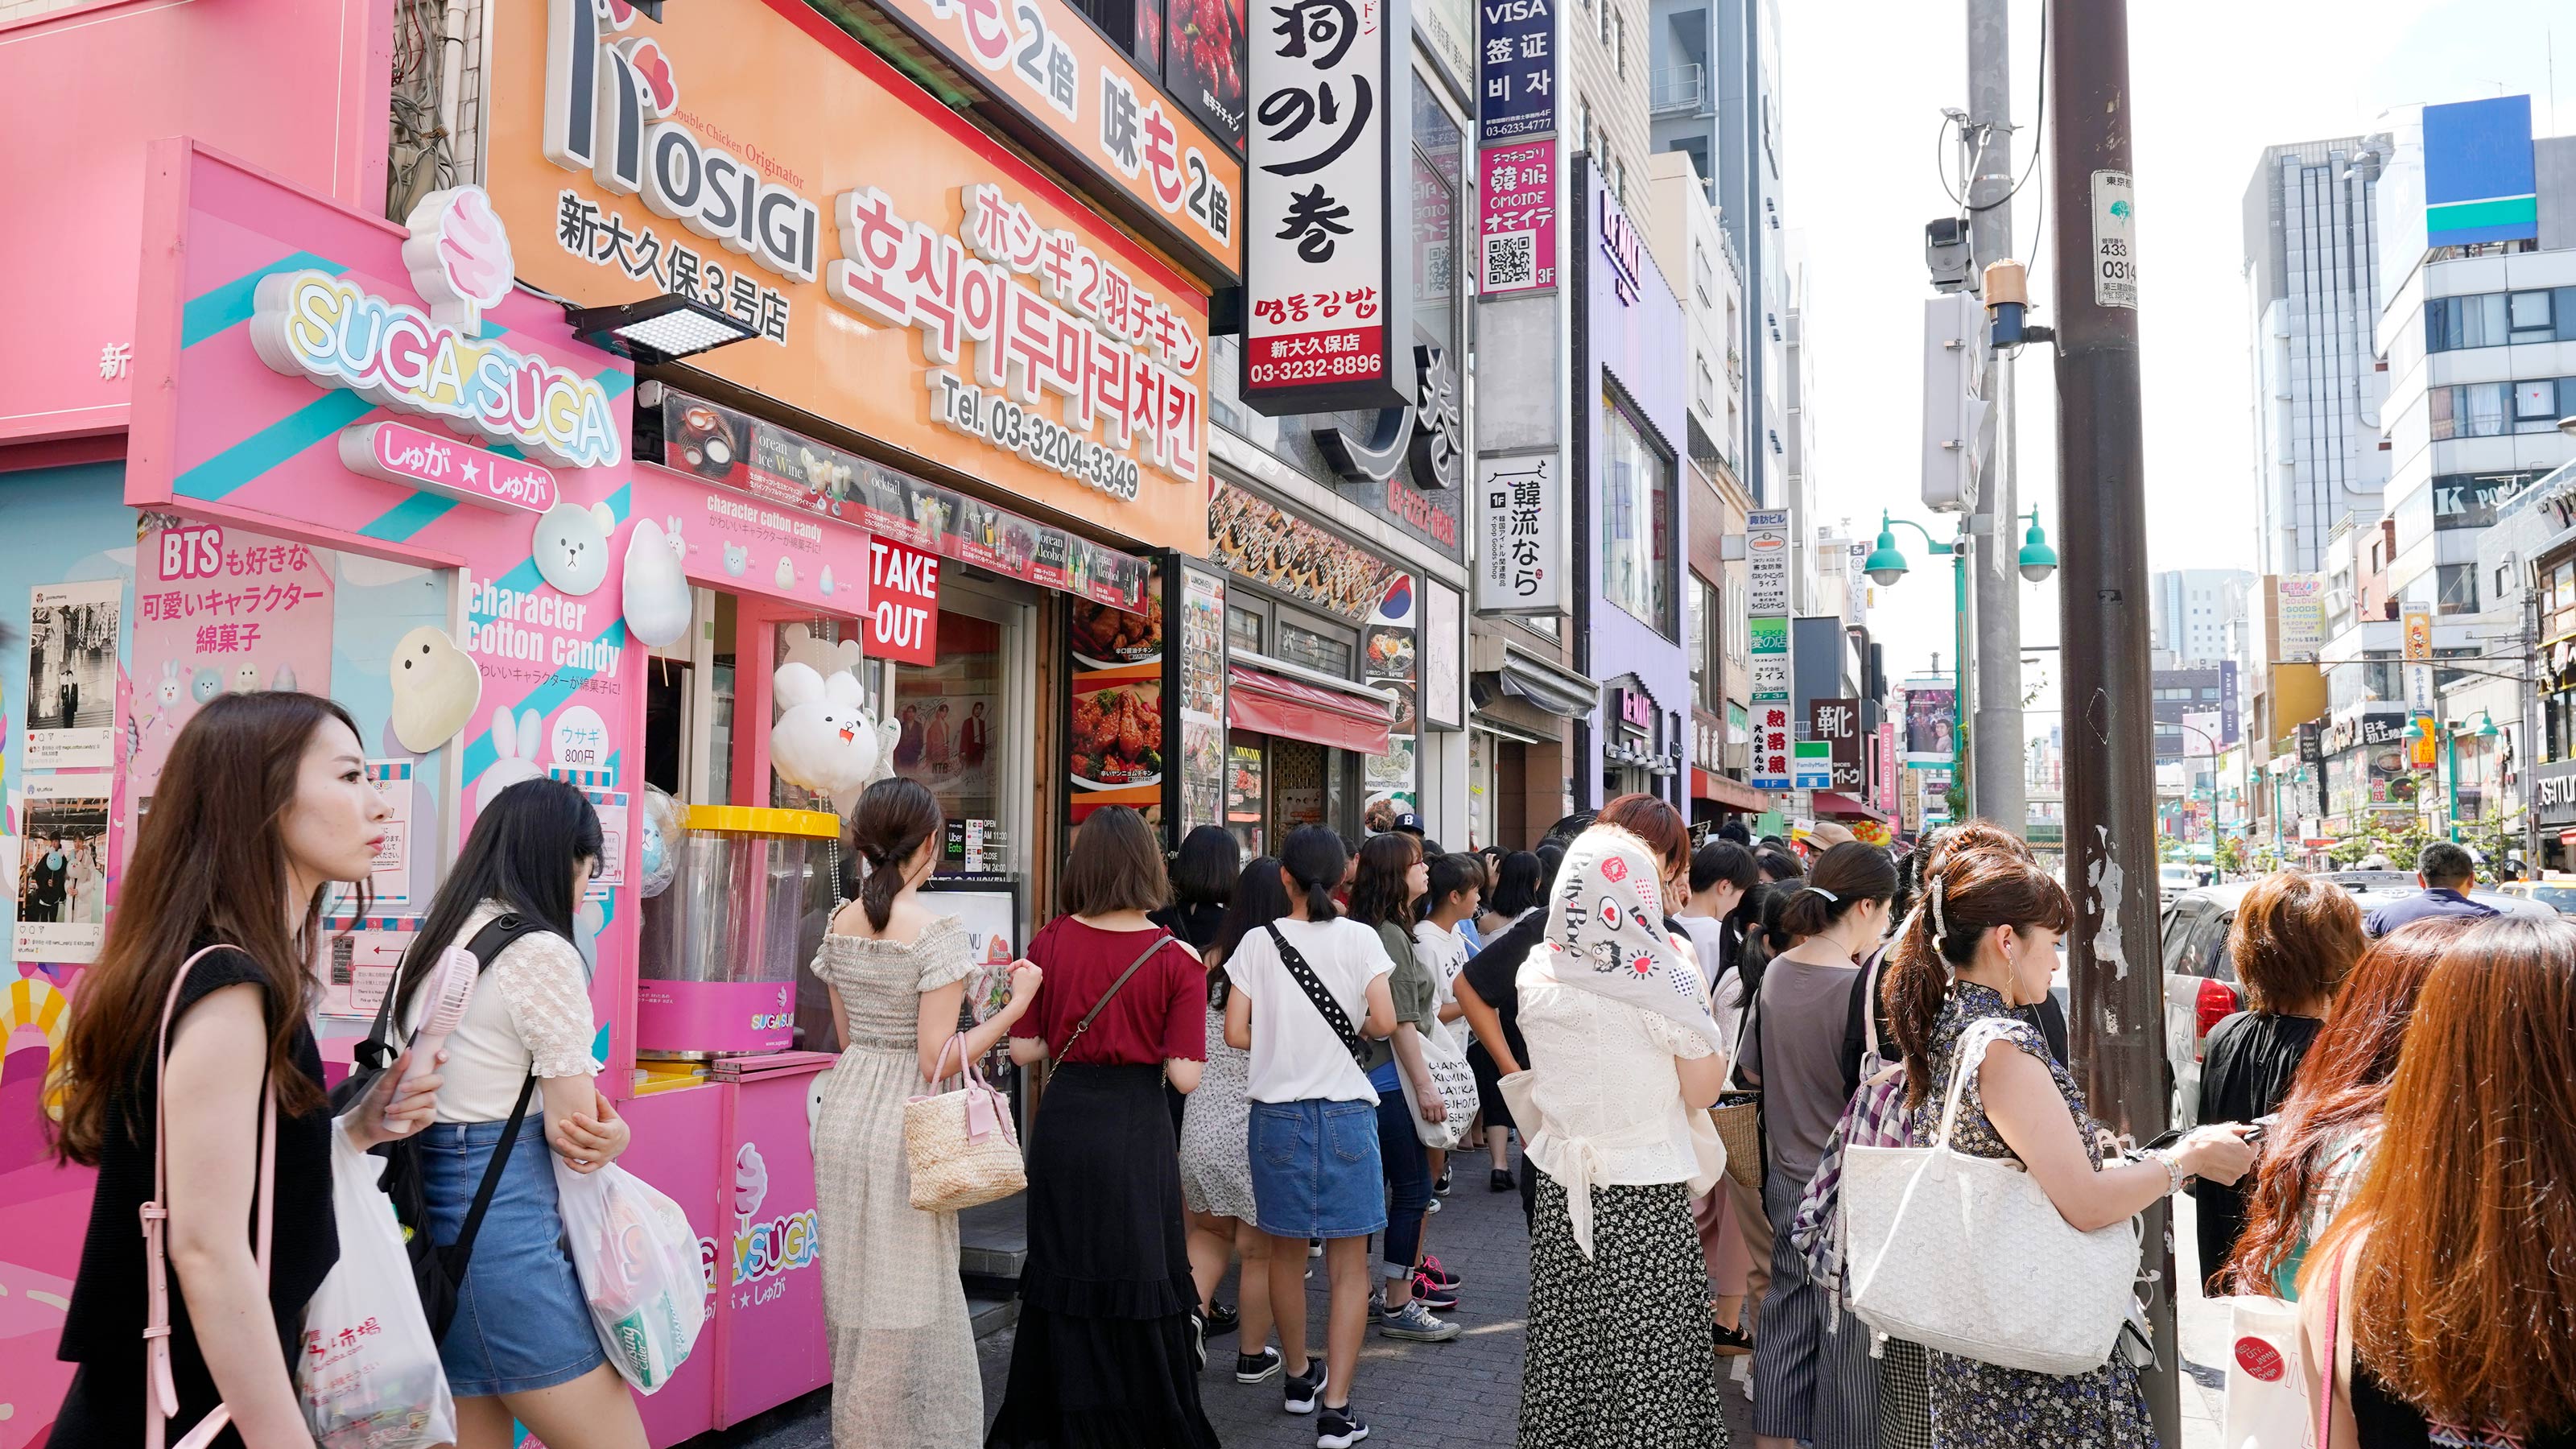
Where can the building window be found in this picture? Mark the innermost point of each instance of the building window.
(1704, 623)
(2535, 405)
(2470, 410)
(1619, 63)
(1314, 650)
(2558, 600)
(2527, 316)
(1636, 520)
(2458, 585)
(1243, 629)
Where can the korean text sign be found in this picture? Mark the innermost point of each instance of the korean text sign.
(1516, 71)
(909, 277)
(1516, 219)
(1326, 314)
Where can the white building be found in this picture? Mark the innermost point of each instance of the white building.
(2197, 611)
(2311, 271)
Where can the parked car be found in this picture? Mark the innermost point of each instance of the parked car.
(2371, 880)
(2556, 892)
(2172, 879)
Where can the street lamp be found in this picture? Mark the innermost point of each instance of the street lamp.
(2450, 737)
(1886, 564)
(2038, 560)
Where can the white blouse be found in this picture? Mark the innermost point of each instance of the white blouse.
(1601, 1073)
(531, 1010)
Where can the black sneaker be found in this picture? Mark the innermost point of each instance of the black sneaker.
(1440, 1184)
(1340, 1428)
(1222, 1319)
(1502, 1181)
(1304, 1389)
(1253, 1368)
(1198, 1341)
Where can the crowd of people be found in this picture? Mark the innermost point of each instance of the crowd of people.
(1279, 1063)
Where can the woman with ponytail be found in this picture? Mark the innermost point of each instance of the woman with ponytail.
(895, 1310)
(1980, 945)
(1813, 1378)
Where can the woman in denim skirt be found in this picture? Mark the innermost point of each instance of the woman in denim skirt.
(1314, 1138)
(522, 1345)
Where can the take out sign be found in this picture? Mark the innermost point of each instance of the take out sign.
(903, 602)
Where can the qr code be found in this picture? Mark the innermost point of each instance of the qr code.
(1511, 260)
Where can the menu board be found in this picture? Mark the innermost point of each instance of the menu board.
(1202, 687)
(1114, 738)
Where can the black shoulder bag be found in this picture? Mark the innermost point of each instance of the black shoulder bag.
(437, 1272)
(1313, 985)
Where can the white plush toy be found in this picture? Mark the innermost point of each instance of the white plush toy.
(824, 738)
(657, 589)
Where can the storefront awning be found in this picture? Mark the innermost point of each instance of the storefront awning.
(1728, 791)
(1844, 807)
(1550, 686)
(1277, 705)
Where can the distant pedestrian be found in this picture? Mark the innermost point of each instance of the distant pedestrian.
(2294, 940)
(1392, 878)
(2439, 1299)
(1216, 1153)
(2446, 873)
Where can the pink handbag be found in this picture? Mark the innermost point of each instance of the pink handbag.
(161, 1393)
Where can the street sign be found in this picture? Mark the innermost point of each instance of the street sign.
(1766, 562)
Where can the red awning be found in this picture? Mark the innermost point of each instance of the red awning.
(1829, 802)
(1728, 791)
(1276, 705)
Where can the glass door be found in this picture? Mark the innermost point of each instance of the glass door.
(967, 725)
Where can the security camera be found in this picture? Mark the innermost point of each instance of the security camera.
(1947, 251)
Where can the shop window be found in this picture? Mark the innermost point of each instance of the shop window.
(1636, 520)
(1439, 151)
(1704, 622)
(1243, 628)
(1316, 651)
(949, 714)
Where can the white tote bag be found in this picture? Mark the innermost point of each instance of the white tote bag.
(1967, 1254)
(1446, 1061)
(369, 1375)
(2267, 1395)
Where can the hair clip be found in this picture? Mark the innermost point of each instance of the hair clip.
(1820, 890)
(1940, 928)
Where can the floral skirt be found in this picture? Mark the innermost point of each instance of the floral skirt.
(1619, 1354)
(1987, 1406)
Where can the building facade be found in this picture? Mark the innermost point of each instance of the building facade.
(2196, 611)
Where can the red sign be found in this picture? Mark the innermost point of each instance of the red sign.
(1516, 219)
(415, 458)
(2259, 1358)
(903, 602)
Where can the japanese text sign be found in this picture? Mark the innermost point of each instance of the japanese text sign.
(1772, 747)
(1516, 219)
(903, 603)
(1520, 553)
(401, 453)
(1058, 75)
(1516, 71)
(222, 610)
(1766, 566)
(909, 277)
(1326, 313)
(1836, 722)
(1814, 765)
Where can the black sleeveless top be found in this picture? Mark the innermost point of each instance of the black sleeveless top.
(103, 1328)
(2381, 1420)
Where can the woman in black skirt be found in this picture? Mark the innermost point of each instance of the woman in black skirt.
(1107, 1353)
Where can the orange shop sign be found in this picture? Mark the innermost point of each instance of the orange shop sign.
(910, 279)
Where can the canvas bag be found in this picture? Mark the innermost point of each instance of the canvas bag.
(1968, 1255)
(1446, 1061)
(2267, 1396)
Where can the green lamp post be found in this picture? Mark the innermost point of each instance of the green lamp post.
(1886, 564)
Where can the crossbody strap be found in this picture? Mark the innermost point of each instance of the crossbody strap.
(1102, 1004)
(497, 936)
(1313, 985)
(161, 1392)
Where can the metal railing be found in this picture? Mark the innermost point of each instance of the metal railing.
(1677, 88)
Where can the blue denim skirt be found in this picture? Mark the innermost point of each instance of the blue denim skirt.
(1315, 1170)
(521, 1322)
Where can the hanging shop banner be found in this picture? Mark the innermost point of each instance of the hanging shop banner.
(226, 611)
(1202, 712)
(1888, 768)
(1391, 662)
(924, 286)
(1293, 557)
(1516, 219)
(903, 603)
(1774, 722)
(71, 675)
(1520, 530)
(735, 450)
(1516, 81)
(1928, 724)
(1766, 561)
(1059, 75)
(1115, 731)
(1327, 314)
(2419, 636)
(2301, 602)
(1444, 700)
(1814, 765)
(1836, 724)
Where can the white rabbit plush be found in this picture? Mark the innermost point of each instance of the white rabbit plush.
(824, 738)
(657, 590)
(515, 746)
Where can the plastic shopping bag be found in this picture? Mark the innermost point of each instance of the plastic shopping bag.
(369, 1374)
(2267, 1392)
(638, 1261)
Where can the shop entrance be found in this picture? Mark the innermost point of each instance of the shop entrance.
(967, 726)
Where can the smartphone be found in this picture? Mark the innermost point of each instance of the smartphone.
(2163, 1140)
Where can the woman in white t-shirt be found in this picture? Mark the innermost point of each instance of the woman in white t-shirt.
(1314, 1138)
(522, 1345)
(1456, 892)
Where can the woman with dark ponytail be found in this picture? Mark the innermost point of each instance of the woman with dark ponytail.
(892, 1301)
(1814, 1380)
(1981, 944)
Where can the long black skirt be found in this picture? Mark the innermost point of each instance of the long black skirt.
(1103, 1357)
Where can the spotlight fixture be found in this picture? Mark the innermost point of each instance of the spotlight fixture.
(658, 329)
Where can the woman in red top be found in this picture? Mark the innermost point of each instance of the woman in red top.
(1108, 1350)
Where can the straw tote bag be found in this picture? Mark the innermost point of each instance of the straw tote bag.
(1738, 1113)
(1968, 1255)
(959, 1144)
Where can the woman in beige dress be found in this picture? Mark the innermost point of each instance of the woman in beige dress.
(903, 1356)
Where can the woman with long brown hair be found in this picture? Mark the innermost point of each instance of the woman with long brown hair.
(2331, 1117)
(1982, 944)
(263, 806)
(2441, 1296)
(2294, 941)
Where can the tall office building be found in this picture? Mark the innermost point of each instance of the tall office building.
(2194, 610)
(1715, 97)
(2311, 263)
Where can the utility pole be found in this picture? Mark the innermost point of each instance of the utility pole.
(2109, 704)
(1996, 787)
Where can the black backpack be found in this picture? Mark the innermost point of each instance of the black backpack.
(435, 1271)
